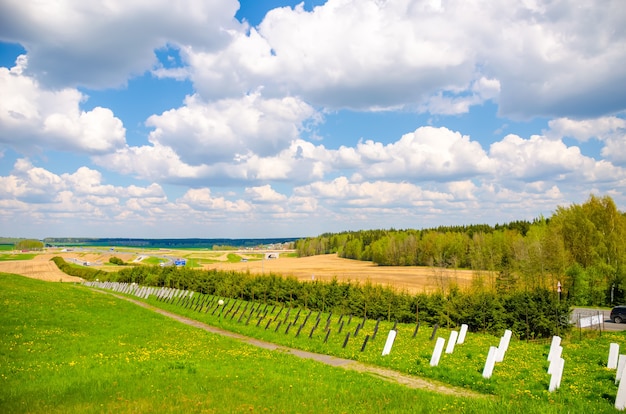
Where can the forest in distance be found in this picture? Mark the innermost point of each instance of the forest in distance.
(582, 247)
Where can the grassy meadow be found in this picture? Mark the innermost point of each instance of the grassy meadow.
(521, 380)
(16, 256)
(68, 348)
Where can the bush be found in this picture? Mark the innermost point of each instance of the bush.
(79, 271)
(116, 261)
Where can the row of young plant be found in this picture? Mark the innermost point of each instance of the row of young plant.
(529, 314)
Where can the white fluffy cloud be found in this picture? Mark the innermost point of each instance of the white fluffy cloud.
(33, 119)
(369, 194)
(205, 133)
(610, 130)
(28, 183)
(534, 59)
(102, 43)
(538, 158)
(201, 199)
(428, 153)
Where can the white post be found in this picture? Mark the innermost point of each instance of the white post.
(555, 359)
(503, 346)
(555, 379)
(556, 341)
(390, 338)
(613, 354)
(491, 360)
(462, 334)
(434, 360)
(620, 398)
(451, 342)
(621, 363)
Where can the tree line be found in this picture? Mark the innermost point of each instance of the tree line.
(582, 247)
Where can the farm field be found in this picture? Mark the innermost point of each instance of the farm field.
(324, 267)
(413, 279)
(40, 267)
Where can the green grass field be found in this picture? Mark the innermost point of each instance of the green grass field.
(521, 379)
(18, 256)
(67, 348)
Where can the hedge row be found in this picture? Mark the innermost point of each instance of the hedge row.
(529, 314)
(86, 273)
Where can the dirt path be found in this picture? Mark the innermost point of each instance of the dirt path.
(382, 373)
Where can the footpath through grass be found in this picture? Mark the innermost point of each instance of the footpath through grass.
(519, 383)
(66, 348)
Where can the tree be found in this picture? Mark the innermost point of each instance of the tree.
(29, 244)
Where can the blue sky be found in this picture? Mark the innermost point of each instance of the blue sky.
(211, 118)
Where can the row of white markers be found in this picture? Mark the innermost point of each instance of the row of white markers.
(496, 354)
(618, 363)
(555, 367)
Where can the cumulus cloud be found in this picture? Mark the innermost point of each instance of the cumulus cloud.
(201, 199)
(103, 43)
(609, 130)
(265, 194)
(201, 132)
(82, 190)
(428, 153)
(548, 60)
(33, 118)
(378, 193)
(538, 157)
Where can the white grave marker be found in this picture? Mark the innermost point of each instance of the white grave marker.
(434, 360)
(462, 334)
(621, 363)
(620, 398)
(555, 359)
(491, 360)
(613, 354)
(503, 346)
(390, 338)
(555, 379)
(556, 342)
(452, 342)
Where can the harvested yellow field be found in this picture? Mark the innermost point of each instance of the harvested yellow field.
(411, 278)
(38, 268)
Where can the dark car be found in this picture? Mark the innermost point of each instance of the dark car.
(618, 314)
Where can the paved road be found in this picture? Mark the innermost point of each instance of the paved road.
(608, 325)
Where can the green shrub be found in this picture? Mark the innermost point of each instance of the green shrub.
(116, 261)
(79, 271)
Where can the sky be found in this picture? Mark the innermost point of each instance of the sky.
(218, 118)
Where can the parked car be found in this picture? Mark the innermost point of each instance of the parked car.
(618, 314)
